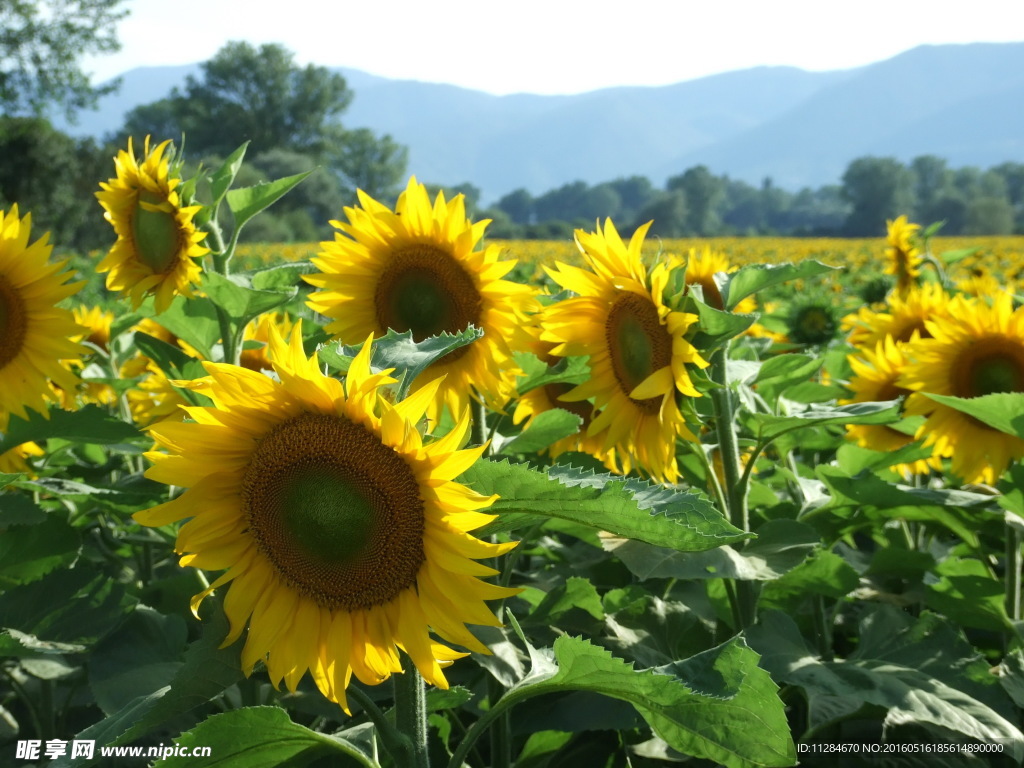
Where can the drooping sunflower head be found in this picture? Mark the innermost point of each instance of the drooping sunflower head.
(636, 344)
(419, 269)
(344, 535)
(157, 240)
(35, 334)
(978, 349)
(903, 257)
(97, 321)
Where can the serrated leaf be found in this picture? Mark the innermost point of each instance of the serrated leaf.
(752, 278)
(246, 202)
(867, 488)
(29, 552)
(777, 374)
(566, 370)
(192, 321)
(89, 424)
(769, 426)
(575, 594)
(172, 360)
(221, 179)
(282, 276)
(634, 509)
(546, 428)
(715, 326)
(1003, 411)
(908, 694)
(263, 737)
(781, 546)
(717, 705)
(240, 302)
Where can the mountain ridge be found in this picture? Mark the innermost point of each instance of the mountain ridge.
(798, 127)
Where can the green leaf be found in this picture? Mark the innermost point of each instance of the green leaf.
(192, 321)
(651, 631)
(246, 202)
(823, 573)
(716, 326)
(172, 360)
(263, 737)
(66, 610)
(752, 278)
(769, 426)
(952, 257)
(867, 488)
(634, 509)
(546, 428)
(89, 424)
(282, 277)
(718, 706)
(221, 179)
(781, 545)
(399, 351)
(968, 595)
(575, 594)
(207, 670)
(567, 370)
(1011, 676)
(17, 509)
(1003, 411)
(777, 374)
(897, 684)
(29, 552)
(240, 302)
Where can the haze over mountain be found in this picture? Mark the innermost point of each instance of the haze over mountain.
(962, 102)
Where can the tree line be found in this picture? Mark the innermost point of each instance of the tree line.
(697, 203)
(293, 118)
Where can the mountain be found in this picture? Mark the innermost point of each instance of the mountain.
(961, 102)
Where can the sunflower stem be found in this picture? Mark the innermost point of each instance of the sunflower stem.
(411, 714)
(1013, 567)
(221, 257)
(735, 485)
(479, 425)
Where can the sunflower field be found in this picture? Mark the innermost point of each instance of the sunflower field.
(413, 497)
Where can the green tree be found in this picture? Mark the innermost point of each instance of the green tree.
(704, 194)
(669, 213)
(375, 165)
(989, 216)
(41, 45)
(519, 205)
(877, 188)
(252, 94)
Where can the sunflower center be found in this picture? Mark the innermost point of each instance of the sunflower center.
(991, 365)
(13, 325)
(157, 236)
(337, 512)
(638, 344)
(425, 290)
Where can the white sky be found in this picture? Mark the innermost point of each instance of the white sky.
(557, 46)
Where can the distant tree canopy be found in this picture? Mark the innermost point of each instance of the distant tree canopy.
(697, 203)
(41, 46)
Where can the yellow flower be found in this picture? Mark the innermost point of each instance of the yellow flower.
(638, 353)
(97, 322)
(976, 350)
(904, 318)
(157, 241)
(254, 357)
(875, 375)
(35, 334)
(416, 269)
(15, 460)
(343, 533)
(903, 256)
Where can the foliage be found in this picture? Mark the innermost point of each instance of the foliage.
(41, 44)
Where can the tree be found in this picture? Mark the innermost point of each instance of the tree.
(519, 206)
(704, 194)
(249, 94)
(374, 165)
(878, 188)
(669, 213)
(989, 216)
(41, 44)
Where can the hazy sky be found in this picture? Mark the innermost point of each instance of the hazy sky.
(558, 46)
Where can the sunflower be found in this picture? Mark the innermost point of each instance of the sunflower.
(157, 241)
(812, 322)
(701, 268)
(16, 459)
(35, 334)
(902, 254)
(904, 318)
(256, 337)
(97, 322)
(875, 375)
(417, 269)
(343, 534)
(977, 350)
(636, 344)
